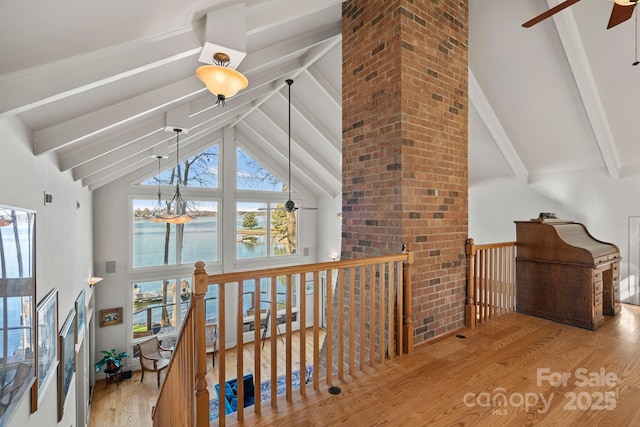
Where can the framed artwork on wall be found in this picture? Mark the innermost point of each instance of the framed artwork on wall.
(80, 316)
(18, 307)
(67, 366)
(47, 348)
(110, 316)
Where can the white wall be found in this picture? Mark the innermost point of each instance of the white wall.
(590, 197)
(63, 243)
(329, 227)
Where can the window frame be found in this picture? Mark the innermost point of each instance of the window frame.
(174, 275)
(269, 202)
(131, 270)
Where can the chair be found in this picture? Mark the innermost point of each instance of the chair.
(211, 336)
(230, 396)
(151, 357)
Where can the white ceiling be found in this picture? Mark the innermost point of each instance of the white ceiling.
(94, 82)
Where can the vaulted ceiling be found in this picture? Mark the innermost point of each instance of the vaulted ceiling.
(98, 82)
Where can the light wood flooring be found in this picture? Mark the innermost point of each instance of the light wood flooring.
(515, 370)
(131, 402)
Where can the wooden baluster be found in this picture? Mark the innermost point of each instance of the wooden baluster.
(372, 316)
(257, 328)
(407, 330)
(316, 330)
(470, 307)
(494, 284)
(363, 313)
(200, 285)
(512, 279)
(302, 321)
(221, 347)
(383, 309)
(352, 310)
(505, 265)
(289, 338)
(399, 309)
(485, 284)
(274, 341)
(240, 349)
(341, 324)
(390, 307)
(329, 336)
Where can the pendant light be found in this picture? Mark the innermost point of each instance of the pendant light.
(289, 205)
(157, 208)
(176, 211)
(222, 81)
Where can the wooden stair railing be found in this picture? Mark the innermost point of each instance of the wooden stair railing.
(172, 409)
(382, 311)
(491, 274)
(386, 285)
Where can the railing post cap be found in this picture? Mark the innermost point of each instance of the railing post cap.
(199, 267)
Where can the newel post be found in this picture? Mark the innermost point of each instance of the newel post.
(407, 326)
(470, 308)
(200, 279)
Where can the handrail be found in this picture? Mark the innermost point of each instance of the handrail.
(380, 278)
(171, 408)
(490, 281)
(372, 305)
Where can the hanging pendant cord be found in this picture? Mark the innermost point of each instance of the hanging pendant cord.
(636, 62)
(179, 178)
(289, 82)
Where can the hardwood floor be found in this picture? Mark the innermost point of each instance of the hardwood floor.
(514, 370)
(131, 402)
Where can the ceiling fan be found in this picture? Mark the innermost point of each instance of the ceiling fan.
(289, 205)
(622, 11)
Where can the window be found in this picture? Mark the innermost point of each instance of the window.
(283, 232)
(197, 171)
(165, 253)
(211, 305)
(251, 175)
(155, 243)
(265, 229)
(251, 224)
(159, 306)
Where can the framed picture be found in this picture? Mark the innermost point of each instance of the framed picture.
(110, 316)
(67, 366)
(80, 316)
(18, 307)
(47, 349)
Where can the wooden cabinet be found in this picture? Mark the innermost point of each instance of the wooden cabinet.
(564, 274)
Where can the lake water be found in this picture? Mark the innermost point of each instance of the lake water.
(17, 329)
(199, 242)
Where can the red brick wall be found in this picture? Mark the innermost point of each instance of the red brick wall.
(404, 113)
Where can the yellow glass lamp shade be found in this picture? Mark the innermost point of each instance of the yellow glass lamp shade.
(221, 80)
(180, 219)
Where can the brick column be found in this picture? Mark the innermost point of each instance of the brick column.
(404, 149)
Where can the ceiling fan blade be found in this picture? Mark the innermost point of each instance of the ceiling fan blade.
(619, 14)
(549, 13)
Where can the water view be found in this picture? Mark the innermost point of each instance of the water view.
(200, 242)
(16, 271)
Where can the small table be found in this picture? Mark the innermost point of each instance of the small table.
(113, 375)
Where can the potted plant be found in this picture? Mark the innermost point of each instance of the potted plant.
(111, 359)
